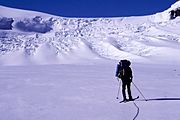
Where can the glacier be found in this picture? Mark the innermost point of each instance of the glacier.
(58, 68)
(37, 38)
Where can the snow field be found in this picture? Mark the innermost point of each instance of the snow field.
(86, 92)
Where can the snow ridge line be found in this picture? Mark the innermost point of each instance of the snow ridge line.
(137, 110)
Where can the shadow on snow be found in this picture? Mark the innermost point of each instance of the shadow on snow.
(161, 99)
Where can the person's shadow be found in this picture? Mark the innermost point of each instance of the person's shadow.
(161, 99)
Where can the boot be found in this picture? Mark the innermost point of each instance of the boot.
(125, 99)
(130, 98)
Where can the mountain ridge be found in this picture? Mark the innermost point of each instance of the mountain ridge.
(77, 39)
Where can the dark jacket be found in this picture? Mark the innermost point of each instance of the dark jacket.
(127, 75)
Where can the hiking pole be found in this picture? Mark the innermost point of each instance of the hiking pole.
(139, 91)
(118, 88)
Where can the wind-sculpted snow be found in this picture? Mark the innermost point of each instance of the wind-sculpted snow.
(113, 38)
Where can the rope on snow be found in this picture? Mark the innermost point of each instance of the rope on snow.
(137, 113)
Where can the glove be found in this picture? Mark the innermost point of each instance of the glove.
(130, 79)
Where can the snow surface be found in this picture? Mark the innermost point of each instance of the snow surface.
(57, 68)
(87, 92)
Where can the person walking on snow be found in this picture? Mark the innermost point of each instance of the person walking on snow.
(124, 73)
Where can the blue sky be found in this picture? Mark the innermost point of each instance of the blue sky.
(92, 8)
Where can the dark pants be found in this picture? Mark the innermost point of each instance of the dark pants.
(128, 85)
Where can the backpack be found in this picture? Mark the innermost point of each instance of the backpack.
(122, 65)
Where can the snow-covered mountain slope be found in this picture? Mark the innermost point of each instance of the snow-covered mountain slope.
(32, 37)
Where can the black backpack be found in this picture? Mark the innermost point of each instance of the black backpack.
(123, 64)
